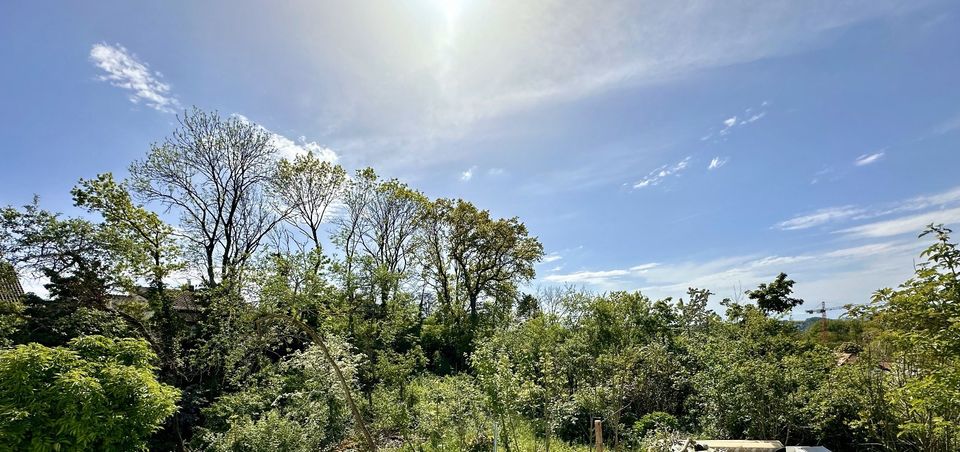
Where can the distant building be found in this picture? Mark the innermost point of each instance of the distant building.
(184, 304)
(10, 288)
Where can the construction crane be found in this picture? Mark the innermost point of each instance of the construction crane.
(823, 317)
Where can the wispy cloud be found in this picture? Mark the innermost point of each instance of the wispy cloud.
(749, 115)
(935, 200)
(587, 277)
(495, 172)
(601, 278)
(542, 53)
(867, 159)
(467, 175)
(820, 175)
(820, 217)
(717, 162)
(552, 257)
(908, 224)
(728, 123)
(658, 175)
(847, 273)
(946, 203)
(289, 149)
(123, 70)
(947, 125)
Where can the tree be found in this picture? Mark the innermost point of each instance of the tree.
(775, 296)
(470, 255)
(214, 172)
(754, 378)
(95, 394)
(309, 186)
(918, 339)
(42, 242)
(143, 241)
(144, 246)
(356, 197)
(387, 229)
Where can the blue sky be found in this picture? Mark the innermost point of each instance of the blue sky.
(650, 145)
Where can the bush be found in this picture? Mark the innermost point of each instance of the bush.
(295, 405)
(657, 420)
(95, 394)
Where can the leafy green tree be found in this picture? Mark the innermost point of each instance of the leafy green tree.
(310, 186)
(144, 244)
(82, 267)
(917, 402)
(629, 349)
(95, 394)
(145, 249)
(754, 378)
(775, 296)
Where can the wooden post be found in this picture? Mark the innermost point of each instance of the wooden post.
(598, 434)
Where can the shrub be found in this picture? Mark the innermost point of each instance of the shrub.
(95, 394)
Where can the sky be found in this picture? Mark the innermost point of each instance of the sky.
(650, 146)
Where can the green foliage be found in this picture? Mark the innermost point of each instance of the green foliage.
(754, 377)
(295, 405)
(917, 402)
(775, 296)
(657, 420)
(95, 394)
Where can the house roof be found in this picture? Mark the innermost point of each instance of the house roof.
(10, 288)
(183, 299)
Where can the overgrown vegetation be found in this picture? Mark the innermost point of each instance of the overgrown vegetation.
(329, 305)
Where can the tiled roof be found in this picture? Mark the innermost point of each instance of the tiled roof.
(10, 289)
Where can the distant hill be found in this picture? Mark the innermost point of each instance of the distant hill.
(805, 325)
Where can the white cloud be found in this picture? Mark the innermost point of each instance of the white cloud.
(820, 175)
(749, 116)
(468, 174)
(947, 125)
(123, 70)
(717, 162)
(914, 223)
(820, 217)
(599, 278)
(845, 274)
(643, 267)
(867, 159)
(427, 75)
(289, 149)
(552, 257)
(495, 172)
(658, 175)
(942, 199)
(862, 251)
(910, 224)
(587, 277)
